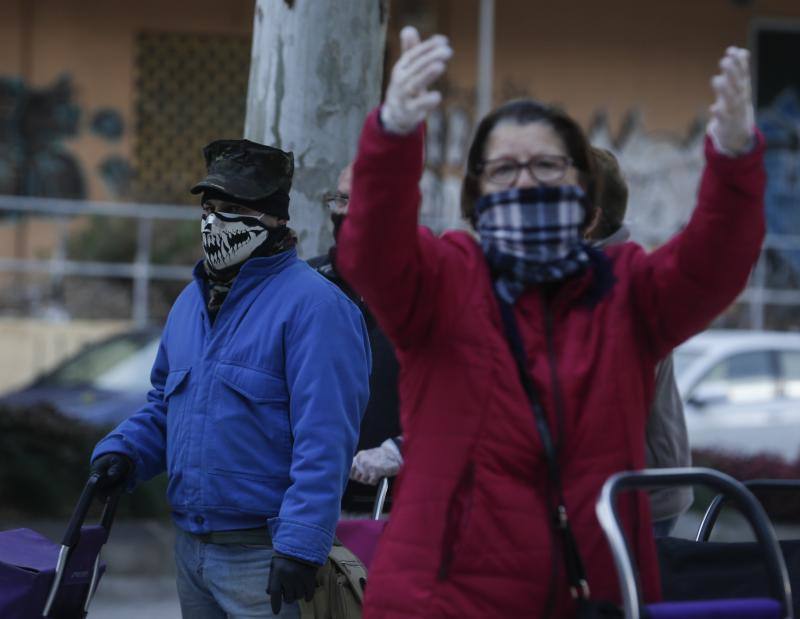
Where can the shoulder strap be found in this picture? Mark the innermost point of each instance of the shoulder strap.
(579, 587)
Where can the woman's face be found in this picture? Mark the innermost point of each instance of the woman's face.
(532, 152)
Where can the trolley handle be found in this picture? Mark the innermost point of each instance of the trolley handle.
(648, 478)
(715, 507)
(73, 535)
(76, 521)
(73, 532)
(380, 498)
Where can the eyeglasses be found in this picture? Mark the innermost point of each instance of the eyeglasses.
(505, 171)
(336, 202)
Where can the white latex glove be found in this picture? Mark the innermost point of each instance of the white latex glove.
(370, 465)
(732, 124)
(408, 101)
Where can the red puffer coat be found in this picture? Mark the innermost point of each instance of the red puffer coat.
(469, 533)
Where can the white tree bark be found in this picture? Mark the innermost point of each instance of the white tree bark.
(315, 74)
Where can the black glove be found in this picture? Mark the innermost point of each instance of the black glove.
(289, 580)
(113, 470)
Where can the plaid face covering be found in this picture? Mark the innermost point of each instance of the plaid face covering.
(532, 235)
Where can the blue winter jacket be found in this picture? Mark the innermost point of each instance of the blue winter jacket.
(255, 418)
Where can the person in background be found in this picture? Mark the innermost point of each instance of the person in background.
(378, 453)
(666, 438)
(257, 393)
(524, 332)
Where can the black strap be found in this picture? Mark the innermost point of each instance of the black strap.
(579, 587)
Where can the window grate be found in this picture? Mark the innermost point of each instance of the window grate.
(190, 89)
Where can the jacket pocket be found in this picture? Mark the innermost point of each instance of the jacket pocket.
(176, 397)
(459, 509)
(250, 431)
(252, 384)
(174, 381)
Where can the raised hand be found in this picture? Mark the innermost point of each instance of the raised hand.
(408, 100)
(732, 124)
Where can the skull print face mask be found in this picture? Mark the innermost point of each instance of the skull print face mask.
(230, 239)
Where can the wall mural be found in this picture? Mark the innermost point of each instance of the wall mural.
(780, 123)
(35, 123)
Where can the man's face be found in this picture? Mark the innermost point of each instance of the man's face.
(339, 200)
(345, 180)
(232, 232)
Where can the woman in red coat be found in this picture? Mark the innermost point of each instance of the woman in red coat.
(471, 532)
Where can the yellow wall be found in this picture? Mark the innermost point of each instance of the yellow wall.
(29, 347)
(614, 54)
(587, 54)
(93, 42)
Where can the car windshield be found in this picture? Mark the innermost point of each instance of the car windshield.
(121, 363)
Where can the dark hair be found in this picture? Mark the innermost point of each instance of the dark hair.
(522, 112)
(610, 196)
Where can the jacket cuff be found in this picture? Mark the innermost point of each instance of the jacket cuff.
(301, 540)
(394, 444)
(374, 124)
(724, 162)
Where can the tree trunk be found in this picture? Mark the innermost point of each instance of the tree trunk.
(315, 74)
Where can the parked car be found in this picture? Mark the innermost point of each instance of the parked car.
(741, 391)
(101, 384)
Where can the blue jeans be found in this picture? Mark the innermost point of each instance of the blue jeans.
(221, 581)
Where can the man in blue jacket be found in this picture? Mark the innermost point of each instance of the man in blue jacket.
(259, 387)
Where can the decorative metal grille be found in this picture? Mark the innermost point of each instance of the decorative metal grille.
(190, 89)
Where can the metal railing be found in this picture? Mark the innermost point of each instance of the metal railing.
(757, 295)
(141, 270)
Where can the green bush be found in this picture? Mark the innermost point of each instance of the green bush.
(45, 465)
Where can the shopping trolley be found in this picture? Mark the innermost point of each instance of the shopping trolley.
(40, 579)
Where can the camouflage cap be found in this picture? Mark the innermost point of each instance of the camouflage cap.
(246, 170)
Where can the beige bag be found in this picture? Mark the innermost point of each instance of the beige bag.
(340, 587)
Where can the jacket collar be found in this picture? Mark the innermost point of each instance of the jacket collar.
(254, 269)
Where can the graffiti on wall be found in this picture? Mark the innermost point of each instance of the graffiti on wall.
(780, 124)
(35, 125)
(662, 171)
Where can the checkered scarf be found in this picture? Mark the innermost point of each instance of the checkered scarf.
(532, 235)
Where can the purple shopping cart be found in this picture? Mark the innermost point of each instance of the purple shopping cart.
(776, 603)
(40, 579)
(361, 536)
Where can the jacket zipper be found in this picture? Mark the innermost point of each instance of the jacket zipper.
(454, 526)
